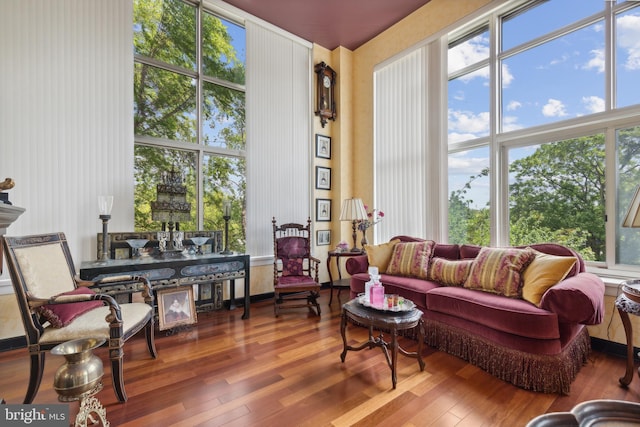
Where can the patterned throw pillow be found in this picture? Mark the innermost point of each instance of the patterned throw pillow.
(411, 259)
(292, 267)
(380, 255)
(60, 315)
(450, 272)
(544, 272)
(499, 270)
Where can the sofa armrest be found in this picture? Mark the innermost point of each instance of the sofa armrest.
(577, 299)
(357, 264)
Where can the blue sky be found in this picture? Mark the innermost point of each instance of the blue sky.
(557, 80)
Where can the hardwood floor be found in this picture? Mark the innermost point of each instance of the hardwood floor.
(287, 372)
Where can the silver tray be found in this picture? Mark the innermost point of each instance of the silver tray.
(407, 305)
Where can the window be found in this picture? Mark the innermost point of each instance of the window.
(469, 197)
(566, 103)
(189, 112)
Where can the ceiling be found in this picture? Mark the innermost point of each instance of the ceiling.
(331, 23)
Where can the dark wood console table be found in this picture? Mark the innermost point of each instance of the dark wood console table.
(172, 271)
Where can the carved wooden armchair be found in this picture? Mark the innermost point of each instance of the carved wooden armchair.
(57, 307)
(295, 270)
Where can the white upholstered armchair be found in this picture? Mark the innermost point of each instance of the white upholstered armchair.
(57, 307)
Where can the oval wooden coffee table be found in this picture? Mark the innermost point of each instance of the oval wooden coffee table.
(388, 321)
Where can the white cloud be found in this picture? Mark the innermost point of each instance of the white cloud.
(596, 62)
(510, 123)
(513, 105)
(454, 137)
(469, 52)
(629, 39)
(507, 77)
(593, 104)
(459, 95)
(465, 164)
(468, 122)
(554, 108)
(482, 73)
(563, 58)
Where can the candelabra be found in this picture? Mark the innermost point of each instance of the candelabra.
(105, 203)
(226, 216)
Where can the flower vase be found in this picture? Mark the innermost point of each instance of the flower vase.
(364, 238)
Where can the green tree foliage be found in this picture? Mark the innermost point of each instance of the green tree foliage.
(467, 225)
(165, 107)
(561, 188)
(556, 195)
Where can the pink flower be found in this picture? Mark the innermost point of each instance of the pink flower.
(375, 216)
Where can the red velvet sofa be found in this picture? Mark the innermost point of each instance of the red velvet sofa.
(535, 348)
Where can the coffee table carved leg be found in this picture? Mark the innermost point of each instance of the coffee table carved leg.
(628, 376)
(394, 356)
(343, 329)
(420, 343)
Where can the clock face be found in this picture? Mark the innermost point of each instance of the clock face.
(326, 81)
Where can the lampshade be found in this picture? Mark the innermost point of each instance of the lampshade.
(353, 210)
(632, 219)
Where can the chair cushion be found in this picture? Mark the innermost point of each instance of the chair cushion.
(45, 270)
(292, 247)
(93, 323)
(292, 266)
(60, 315)
(380, 255)
(449, 273)
(411, 259)
(499, 270)
(544, 271)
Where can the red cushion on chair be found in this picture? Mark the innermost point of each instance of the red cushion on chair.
(292, 267)
(292, 247)
(60, 315)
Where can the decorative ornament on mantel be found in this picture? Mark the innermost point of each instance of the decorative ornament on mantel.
(7, 184)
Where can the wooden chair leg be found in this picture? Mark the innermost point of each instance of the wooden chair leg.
(35, 377)
(116, 373)
(276, 309)
(151, 342)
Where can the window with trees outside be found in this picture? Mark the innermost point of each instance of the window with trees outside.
(189, 112)
(545, 97)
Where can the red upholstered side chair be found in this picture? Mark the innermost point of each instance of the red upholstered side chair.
(295, 270)
(57, 307)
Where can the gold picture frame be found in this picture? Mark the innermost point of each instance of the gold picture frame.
(176, 307)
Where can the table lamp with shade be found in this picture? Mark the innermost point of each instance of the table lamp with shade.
(632, 218)
(631, 288)
(353, 210)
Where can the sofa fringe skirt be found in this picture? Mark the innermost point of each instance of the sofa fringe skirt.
(537, 372)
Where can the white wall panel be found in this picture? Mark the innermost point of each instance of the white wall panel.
(399, 138)
(66, 122)
(278, 135)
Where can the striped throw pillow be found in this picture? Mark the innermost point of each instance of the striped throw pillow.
(450, 272)
(411, 259)
(499, 270)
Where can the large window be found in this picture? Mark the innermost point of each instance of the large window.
(544, 97)
(189, 106)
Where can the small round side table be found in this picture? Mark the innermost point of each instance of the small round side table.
(628, 302)
(340, 283)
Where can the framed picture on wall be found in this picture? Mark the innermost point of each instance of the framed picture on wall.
(323, 178)
(323, 237)
(323, 146)
(323, 210)
(176, 307)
